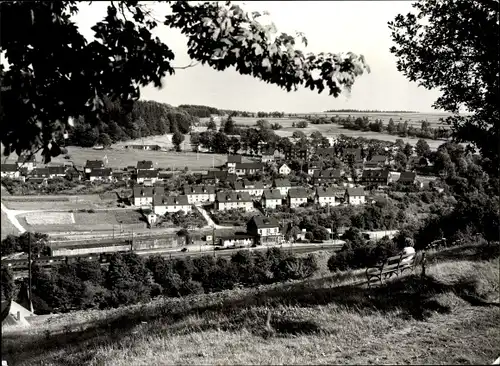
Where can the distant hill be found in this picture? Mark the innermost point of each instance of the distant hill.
(364, 111)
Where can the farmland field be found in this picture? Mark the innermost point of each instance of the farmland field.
(49, 218)
(72, 203)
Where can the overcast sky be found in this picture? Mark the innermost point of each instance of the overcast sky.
(330, 26)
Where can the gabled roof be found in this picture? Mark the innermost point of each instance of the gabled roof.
(162, 200)
(233, 197)
(140, 191)
(94, 164)
(283, 165)
(297, 193)
(282, 183)
(329, 173)
(103, 172)
(145, 164)
(262, 222)
(234, 158)
(249, 166)
(326, 192)
(147, 173)
(57, 170)
(271, 194)
(407, 177)
(376, 173)
(246, 184)
(40, 172)
(9, 167)
(357, 191)
(198, 189)
(378, 159)
(220, 174)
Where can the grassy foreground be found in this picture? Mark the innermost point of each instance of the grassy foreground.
(450, 317)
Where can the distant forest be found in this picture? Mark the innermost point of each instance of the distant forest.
(364, 111)
(147, 118)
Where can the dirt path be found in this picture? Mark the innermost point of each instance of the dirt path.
(11, 215)
(208, 219)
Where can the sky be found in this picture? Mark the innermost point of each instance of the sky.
(330, 26)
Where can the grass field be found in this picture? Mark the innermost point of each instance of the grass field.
(7, 227)
(49, 218)
(446, 319)
(121, 158)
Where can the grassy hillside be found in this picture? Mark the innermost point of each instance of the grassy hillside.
(448, 318)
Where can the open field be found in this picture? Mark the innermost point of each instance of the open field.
(62, 203)
(7, 227)
(49, 218)
(122, 158)
(447, 318)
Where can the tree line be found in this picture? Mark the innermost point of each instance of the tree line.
(130, 278)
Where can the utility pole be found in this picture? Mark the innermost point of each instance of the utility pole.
(29, 273)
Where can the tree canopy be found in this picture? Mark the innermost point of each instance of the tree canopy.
(453, 46)
(55, 75)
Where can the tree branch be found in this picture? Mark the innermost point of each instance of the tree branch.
(186, 67)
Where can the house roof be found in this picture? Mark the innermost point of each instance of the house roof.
(233, 197)
(352, 151)
(40, 172)
(272, 194)
(378, 159)
(282, 183)
(162, 200)
(357, 191)
(56, 170)
(326, 192)
(407, 177)
(283, 165)
(376, 173)
(103, 172)
(93, 164)
(236, 236)
(147, 173)
(328, 173)
(140, 191)
(198, 189)
(297, 193)
(145, 164)
(249, 166)
(234, 158)
(246, 184)
(262, 222)
(9, 167)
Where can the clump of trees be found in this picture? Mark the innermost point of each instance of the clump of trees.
(131, 279)
(16, 244)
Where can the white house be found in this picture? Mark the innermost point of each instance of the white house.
(147, 176)
(355, 196)
(297, 197)
(254, 189)
(10, 171)
(284, 169)
(326, 197)
(233, 200)
(163, 204)
(268, 154)
(283, 185)
(236, 240)
(143, 196)
(266, 229)
(232, 160)
(271, 198)
(93, 164)
(199, 193)
(102, 174)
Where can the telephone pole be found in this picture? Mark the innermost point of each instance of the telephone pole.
(29, 273)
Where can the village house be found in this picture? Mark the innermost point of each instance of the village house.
(233, 200)
(199, 193)
(296, 153)
(216, 176)
(103, 174)
(119, 176)
(271, 198)
(143, 196)
(328, 176)
(29, 163)
(283, 185)
(147, 177)
(163, 204)
(254, 189)
(93, 164)
(379, 177)
(248, 168)
(326, 196)
(355, 196)
(325, 153)
(232, 160)
(10, 171)
(145, 165)
(352, 153)
(284, 170)
(236, 240)
(377, 161)
(297, 197)
(268, 154)
(265, 229)
(311, 167)
(407, 178)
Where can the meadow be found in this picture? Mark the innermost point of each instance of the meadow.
(449, 316)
